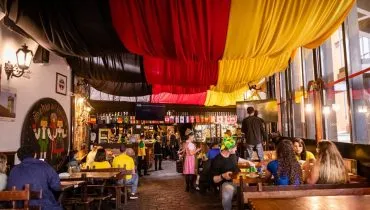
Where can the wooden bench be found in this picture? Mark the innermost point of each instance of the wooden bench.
(117, 187)
(25, 195)
(295, 191)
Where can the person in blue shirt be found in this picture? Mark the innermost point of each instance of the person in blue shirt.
(39, 174)
(214, 151)
(285, 169)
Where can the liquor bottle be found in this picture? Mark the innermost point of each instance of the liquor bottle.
(182, 118)
(104, 118)
(206, 118)
(167, 119)
(213, 117)
(177, 118)
(187, 118)
(192, 118)
(119, 118)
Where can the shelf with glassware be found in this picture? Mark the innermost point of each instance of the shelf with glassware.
(118, 126)
(213, 127)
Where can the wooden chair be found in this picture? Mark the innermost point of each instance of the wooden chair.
(294, 191)
(15, 195)
(25, 195)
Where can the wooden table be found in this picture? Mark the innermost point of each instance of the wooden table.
(93, 175)
(66, 185)
(314, 202)
(90, 175)
(249, 180)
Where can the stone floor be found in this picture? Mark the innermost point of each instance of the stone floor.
(165, 190)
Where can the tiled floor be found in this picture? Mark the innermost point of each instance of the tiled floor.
(165, 190)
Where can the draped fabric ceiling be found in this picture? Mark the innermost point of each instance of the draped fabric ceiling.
(190, 52)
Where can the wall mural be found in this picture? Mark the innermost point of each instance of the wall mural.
(46, 127)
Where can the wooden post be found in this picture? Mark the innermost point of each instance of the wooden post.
(318, 116)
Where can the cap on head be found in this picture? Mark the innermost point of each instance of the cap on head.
(228, 143)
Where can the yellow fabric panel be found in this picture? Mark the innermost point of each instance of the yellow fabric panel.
(263, 35)
(215, 98)
(235, 74)
(101, 165)
(271, 28)
(123, 159)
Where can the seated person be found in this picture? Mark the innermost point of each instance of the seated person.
(300, 150)
(100, 161)
(329, 167)
(124, 160)
(214, 151)
(285, 169)
(3, 177)
(222, 168)
(91, 156)
(39, 174)
(72, 159)
(82, 153)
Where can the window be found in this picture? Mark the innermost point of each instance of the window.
(335, 109)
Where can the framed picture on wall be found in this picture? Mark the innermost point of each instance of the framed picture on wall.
(61, 84)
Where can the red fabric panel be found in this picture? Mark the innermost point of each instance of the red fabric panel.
(172, 29)
(168, 98)
(156, 89)
(183, 73)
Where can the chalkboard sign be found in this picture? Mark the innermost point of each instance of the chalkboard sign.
(46, 127)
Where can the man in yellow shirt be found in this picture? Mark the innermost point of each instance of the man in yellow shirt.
(123, 160)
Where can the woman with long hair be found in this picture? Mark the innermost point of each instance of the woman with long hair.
(285, 169)
(300, 150)
(329, 167)
(100, 161)
(189, 163)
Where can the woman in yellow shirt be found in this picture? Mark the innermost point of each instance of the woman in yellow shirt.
(300, 150)
(100, 161)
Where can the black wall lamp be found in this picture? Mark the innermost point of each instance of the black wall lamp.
(24, 58)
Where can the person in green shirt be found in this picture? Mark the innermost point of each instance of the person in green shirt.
(300, 150)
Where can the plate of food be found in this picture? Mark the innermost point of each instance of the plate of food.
(252, 175)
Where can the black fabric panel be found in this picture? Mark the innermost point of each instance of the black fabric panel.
(67, 27)
(123, 67)
(121, 89)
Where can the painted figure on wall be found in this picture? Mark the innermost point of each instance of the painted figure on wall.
(60, 135)
(53, 124)
(43, 136)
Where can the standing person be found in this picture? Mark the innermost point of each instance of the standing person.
(189, 163)
(158, 153)
(39, 174)
(142, 164)
(3, 177)
(222, 168)
(173, 145)
(164, 146)
(254, 130)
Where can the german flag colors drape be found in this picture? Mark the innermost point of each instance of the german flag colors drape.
(207, 51)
